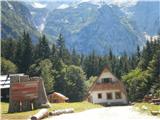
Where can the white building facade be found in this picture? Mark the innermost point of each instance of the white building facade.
(107, 89)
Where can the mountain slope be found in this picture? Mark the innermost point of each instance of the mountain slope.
(86, 26)
(146, 16)
(90, 26)
(15, 18)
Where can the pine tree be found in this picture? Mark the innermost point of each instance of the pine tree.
(27, 53)
(110, 54)
(53, 55)
(147, 55)
(61, 46)
(154, 72)
(59, 73)
(63, 52)
(75, 58)
(43, 49)
(8, 48)
(19, 55)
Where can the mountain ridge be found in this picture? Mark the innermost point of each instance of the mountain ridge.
(103, 26)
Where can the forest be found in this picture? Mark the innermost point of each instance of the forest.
(72, 73)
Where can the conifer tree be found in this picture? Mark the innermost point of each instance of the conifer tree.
(19, 54)
(27, 53)
(8, 48)
(63, 52)
(53, 55)
(75, 58)
(43, 49)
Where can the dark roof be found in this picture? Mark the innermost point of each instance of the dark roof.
(118, 85)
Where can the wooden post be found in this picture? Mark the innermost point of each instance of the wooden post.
(26, 104)
(14, 106)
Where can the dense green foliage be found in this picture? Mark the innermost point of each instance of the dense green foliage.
(75, 82)
(136, 82)
(145, 79)
(67, 71)
(7, 67)
(44, 69)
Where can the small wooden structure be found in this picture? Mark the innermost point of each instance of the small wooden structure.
(56, 97)
(26, 93)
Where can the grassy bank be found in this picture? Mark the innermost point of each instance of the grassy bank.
(78, 107)
(146, 107)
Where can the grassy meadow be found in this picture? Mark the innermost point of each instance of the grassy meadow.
(146, 107)
(78, 107)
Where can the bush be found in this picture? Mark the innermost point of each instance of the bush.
(7, 67)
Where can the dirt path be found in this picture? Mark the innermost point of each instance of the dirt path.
(108, 113)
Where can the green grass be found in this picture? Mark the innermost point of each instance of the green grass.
(150, 107)
(78, 107)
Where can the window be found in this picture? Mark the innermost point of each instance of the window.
(99, 95)
(109, 96)
(118, 95)
(106, 80)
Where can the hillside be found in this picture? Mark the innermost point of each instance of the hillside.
(15, 18)
(86, 26)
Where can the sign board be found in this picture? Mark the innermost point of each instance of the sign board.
(25, 90)
(26, 93)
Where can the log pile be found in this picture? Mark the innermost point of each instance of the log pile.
(40, 115)
(44, 113)
(147, 98)
(156, 101)
(59, 112)
(155, 112)
(152, 99)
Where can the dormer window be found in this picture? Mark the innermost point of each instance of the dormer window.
(106, 80)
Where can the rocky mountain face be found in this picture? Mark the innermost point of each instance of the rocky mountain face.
(15, 18)
(88, 26)
(146, 17)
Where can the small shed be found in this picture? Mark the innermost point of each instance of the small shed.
(56, 97)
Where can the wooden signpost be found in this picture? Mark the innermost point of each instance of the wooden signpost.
(26, 93)
(24, 90)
